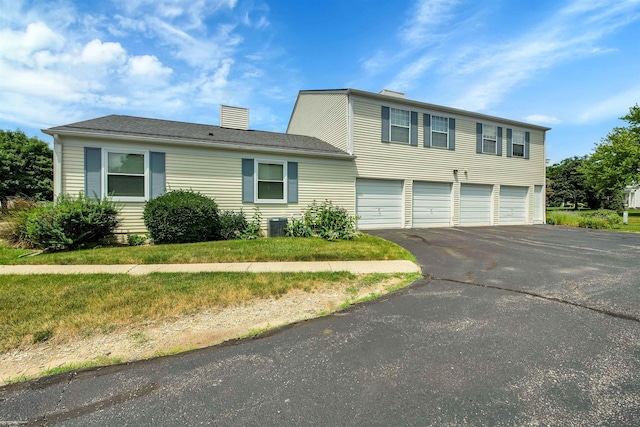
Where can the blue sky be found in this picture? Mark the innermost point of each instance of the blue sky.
(570, 65)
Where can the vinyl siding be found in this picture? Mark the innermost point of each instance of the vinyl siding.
(323, 116)
(388, 160)
(217, 174)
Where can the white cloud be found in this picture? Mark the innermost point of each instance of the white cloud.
(431, 15)
(410, 73)
(147, 66)
(21, 45)
(95, 52)
(542, 119)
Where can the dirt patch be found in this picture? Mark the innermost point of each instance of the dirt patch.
(185, 332)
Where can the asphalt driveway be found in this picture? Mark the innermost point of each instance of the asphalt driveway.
(511, 326)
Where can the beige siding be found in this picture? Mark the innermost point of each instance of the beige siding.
(234, 117)
(323, 116)
(408, 203)
(218, 174)
(72, 169)
(377, 159)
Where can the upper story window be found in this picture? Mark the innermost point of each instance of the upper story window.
(489, 139)
(126, 175)
(440, 132)
(400, 121)
(270, 182)
(517, 146)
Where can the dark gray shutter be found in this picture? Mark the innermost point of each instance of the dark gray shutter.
(509, 142)
(527, 137)
(157, 172)
(385, 124)
(499, 142)
(414, 128)
(292, 182)
(426, 119)
(247, 181)
(452, 134)
(93, 172)
(478, 137)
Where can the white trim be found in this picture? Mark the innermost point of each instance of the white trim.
(408, 127)
(350, 115)
(105, 174)
(285, 181)
(57, 166)
(524, 142)
(495, 152)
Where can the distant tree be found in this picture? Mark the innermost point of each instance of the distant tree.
(615, 162)
(26, 167)
(566, 183)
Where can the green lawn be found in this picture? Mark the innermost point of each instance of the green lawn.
(366, 247)
(62, 307)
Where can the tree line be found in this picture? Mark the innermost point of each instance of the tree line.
(597, 180)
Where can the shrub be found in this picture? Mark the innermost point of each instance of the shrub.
(69, 222)
(13, 222)
(136, 239)
(232, 225)
(182, 216)
(600, 219)
(324, 220)
(236, 226)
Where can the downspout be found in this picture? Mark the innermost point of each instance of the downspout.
(57, 166)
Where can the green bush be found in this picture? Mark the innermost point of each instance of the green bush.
(13, 222)
(600, 219)
(324, 220)
(236, 226)
(136, 239)
(69, 222)
(182, 216)
(232, 225)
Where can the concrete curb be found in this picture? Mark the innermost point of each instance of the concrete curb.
(356, 267)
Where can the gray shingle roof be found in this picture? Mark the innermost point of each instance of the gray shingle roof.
(117, 125)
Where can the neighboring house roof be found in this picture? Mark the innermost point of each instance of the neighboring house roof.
(424, 105)
(154, 130)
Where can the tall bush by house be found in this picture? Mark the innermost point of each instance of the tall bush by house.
(68, 223)
(182, 216)
(324, 220)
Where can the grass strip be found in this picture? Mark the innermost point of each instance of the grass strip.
(57, 307)
(366, 247)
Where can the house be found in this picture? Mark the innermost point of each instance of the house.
(134, 159)
(632, 196)
(424, 165)
(393, 161)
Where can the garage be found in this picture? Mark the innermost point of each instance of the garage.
(513, 205)
(379, 203)
(475, 204)
(431, 204)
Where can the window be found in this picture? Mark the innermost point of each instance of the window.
(399, 121)
(270, 181)
(518, 143)
(439, 132)
(489, 139)
(126, 175)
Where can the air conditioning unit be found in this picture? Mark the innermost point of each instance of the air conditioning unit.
(277, 226)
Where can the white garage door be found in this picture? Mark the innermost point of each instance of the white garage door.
(379, 203)
(475, 204)
(513, 205)
(431, 204)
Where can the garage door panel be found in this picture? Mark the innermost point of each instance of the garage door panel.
(475, 204)
(379, 203)
(513, 205)
(431, 204)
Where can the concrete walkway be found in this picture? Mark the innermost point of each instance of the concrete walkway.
(356, 267)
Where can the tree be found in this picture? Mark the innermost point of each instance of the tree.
(615, 162)
(26, 167)
(567, 182)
